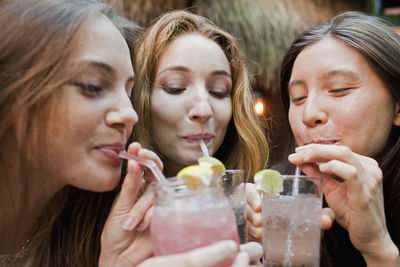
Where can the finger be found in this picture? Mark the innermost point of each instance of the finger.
(327, 218)
(139, 210)
(253, 197)
(322, 153)
(148, 154)
(134, 148)
(209, 256)
(222, 252)
(254, 217)
(241, 260)
(147, 220)
(254, 250)
(253, 232)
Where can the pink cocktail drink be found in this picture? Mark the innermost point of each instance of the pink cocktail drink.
(184, 220)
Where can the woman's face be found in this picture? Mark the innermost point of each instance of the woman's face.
(336, 98)
(95, 116)
(190, 100)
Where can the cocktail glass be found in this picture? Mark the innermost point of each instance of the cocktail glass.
(233, 184)
(186, 219)
(291, 223)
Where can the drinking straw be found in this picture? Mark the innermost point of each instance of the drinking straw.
(204, 148)
(295, 188)
(145, 162)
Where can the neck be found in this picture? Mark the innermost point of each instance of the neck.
(23, 200)
(171, 169)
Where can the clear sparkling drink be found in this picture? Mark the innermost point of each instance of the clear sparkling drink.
(240, 214)
(186, 219)
(233, 185)
(291, 226)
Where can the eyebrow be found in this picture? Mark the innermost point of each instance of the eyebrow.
(103, 66)
(221, 72)
(175, 68)
(99, 65)
(346, 73)
(295, 82)
(185, 69)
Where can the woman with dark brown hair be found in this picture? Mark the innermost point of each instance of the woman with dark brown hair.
(340, 84)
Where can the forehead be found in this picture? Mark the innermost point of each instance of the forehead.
(99, 40)
(329, 54)
(188, 49)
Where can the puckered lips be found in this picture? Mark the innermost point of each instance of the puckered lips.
(195, 138)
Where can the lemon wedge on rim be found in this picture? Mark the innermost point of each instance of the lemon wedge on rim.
(269, 181)
(195, 176)
(215, 164)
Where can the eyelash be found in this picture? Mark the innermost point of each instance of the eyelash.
(178, 90)
(341, 90)
(173, 90)
(89, 88)
(298, 99)
(219, 94)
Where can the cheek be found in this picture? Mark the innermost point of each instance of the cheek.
(164, 119)
(295, 122)
(223, 114)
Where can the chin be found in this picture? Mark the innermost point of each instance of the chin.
(105, 183)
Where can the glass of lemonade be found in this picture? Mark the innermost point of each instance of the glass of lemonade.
(186, 219)
(233, 184)
(291, 223)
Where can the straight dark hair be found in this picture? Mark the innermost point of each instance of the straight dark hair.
(379, 44)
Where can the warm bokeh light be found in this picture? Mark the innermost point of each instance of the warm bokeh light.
(259, 107)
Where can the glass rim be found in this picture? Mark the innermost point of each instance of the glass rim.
(301, 176)
(235, 171)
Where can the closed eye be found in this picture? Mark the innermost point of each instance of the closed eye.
(219, 94)
(297, 100)
(339, 92)
(89, 88)
(173, 90)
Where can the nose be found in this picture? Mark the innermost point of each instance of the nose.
(314, 112)
(201, 109)
(122, 116)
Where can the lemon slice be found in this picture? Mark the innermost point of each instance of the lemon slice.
(196, 176)
(215, 164)
(269, 181)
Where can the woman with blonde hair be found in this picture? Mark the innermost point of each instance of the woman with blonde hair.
(192, 84)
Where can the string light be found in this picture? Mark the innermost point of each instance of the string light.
(259, 107)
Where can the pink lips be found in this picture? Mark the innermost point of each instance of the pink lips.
(195, 138)
(111, 151)
(322, 142)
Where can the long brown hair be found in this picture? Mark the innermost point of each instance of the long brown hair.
(379, 44)
(37, 42)
(244, 145)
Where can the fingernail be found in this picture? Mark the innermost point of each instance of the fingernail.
(129, 224)
(293, 156)
(299, 148)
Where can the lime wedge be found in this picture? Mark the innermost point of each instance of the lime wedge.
(215, 164)
(195, 176)
(269, 181)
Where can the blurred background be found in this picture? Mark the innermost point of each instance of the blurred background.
(264, 29)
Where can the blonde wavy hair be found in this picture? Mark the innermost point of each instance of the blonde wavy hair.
(245, 145)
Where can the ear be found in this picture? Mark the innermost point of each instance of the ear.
(396, 119)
